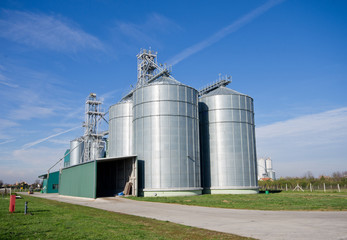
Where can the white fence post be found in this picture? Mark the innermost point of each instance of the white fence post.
(338, 187)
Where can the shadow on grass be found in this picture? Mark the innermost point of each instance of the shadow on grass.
(270, 191)
(29, 212)
(37, 211)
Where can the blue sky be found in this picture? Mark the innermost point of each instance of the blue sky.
(290, 56)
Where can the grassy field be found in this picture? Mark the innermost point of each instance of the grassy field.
(56, 220)
(273, 201)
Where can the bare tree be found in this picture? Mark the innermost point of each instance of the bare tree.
(337, 175)
(37, 182)
(308, 175)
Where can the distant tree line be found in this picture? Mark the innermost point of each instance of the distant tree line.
(336, 178)
(22, 185)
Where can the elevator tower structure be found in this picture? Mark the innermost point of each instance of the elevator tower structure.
(94, 144)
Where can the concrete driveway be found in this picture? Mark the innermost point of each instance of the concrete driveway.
(250, 223)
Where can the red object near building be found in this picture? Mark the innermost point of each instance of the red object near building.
(12, 203)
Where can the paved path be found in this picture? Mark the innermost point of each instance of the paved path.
(250, 223)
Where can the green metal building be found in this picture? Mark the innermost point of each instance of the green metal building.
(102, 177)
(50, 182)
(67, 158)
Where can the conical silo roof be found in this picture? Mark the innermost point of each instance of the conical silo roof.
(223, 91)
(165, 80)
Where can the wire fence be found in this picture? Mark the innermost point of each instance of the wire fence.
(5, 191)
(325, 187)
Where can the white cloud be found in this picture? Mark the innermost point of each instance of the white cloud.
(4, 81)
(5, 124)
(134, 32)
(148, 30)
(331, 124)
(315, 142)
(35, 156)
(161, 23)
(30, 101)
(44, 31)
(224, 32)
(26, 112)
(27, 164)
(110, 96)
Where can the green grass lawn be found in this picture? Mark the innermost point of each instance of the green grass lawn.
(55, 220)
(273, 201)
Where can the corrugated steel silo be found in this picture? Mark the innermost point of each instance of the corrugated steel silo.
(76, 154)
(268, 164)
(261, 168)
(272, 175)
(269, 170)
(120, 129)
(166, 137)
(97, 150)
(228, 150)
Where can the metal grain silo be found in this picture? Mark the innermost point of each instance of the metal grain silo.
(227, 136)
(272, 175)
(261, 168)
(268, 164)
(120, 129)
(97, 150)
(269, 170)
(166, 137)
(76, 154)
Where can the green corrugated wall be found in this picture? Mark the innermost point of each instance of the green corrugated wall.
(67, 158)
(53, 179)
(79, 180)
(44, 185)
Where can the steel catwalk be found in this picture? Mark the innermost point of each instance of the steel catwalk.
(166, 137)
(76, 154)
(228, 150)
(120, 129)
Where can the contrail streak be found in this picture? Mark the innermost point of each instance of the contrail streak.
(28, 145)
(223, 32)
(7, 141)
